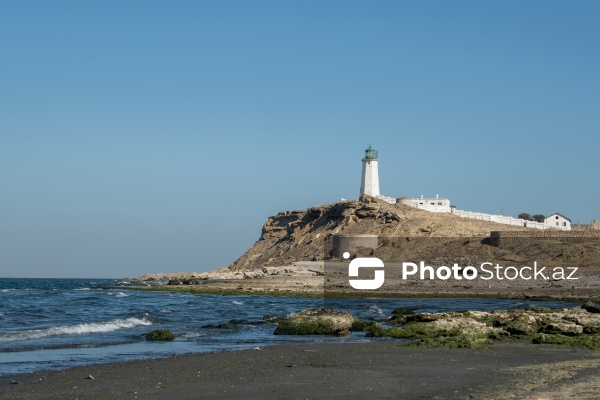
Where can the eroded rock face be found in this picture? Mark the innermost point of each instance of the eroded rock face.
(292, 236)
(316, 321)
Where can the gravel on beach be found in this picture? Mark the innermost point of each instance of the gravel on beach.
(312, 371)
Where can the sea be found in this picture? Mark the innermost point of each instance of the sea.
(48, 324)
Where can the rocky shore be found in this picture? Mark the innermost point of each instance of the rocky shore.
(576, 326)
(533, 354)
(299, 270)
(309, 278)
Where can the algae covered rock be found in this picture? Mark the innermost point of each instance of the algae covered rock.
(586, 341)
(159, 335)
(226, 325)
(591, 307)
(576, 326)
(464, 325)
(316, 321)
(568, 329)
(403, 311)
(399, 316)
(360, 325)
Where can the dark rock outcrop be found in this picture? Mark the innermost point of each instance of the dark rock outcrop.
(159, 335)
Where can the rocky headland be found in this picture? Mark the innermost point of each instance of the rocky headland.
(294, 248)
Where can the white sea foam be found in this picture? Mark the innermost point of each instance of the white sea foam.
(83, 288)
(375, 309)
(191, 335)
(237, 302)
(1, 314)
(107, 326)
(118, 294)
(165, 311)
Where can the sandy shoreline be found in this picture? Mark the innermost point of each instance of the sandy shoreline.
(384, 370)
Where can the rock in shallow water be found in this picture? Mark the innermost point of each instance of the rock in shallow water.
(159, 335)
(315, 321)
(591, 307)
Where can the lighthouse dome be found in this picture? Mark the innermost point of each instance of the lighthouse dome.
(371, 154)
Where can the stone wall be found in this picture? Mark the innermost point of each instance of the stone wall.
(351, 243)
(497, 237)
(595, 226)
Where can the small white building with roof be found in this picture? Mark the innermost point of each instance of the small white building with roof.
(558, 221)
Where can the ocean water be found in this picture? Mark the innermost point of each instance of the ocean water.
(60, 323)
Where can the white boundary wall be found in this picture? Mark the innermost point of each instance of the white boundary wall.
(501, 219)
(433, 208)
(387, 199)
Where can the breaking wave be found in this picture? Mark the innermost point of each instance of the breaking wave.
(191, 335)
(79, 329)
(118, 294)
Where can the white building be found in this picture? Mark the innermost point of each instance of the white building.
(558, 221)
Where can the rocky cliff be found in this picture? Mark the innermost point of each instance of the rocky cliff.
(293, 236)
(288, 257)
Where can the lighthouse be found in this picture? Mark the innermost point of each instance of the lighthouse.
(369, 183)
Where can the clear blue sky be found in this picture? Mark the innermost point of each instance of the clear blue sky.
(154, 136)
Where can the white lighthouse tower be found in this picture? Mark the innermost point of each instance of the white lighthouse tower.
(369, 183)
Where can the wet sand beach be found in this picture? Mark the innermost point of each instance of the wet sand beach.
(371, 370)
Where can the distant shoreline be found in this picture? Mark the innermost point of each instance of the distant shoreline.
(198, 289)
